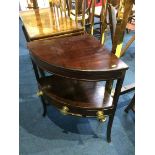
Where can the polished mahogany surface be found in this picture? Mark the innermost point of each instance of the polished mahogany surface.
(41, 23)
(83, 54)
(79, 94)
(81, 67)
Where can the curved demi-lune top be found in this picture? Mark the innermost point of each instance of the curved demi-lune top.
(81, 57)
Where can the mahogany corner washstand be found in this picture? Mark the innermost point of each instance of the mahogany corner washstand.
(80, 67)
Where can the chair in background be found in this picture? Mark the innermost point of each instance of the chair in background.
(61, 19)
(49, 22)
(86, 14)
(33, 4)
(131, 105)
(131, 20)
(99, 12)
(114, 7)
(83, 12)
(120, 17)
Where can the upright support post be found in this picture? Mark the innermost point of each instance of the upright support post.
(35, 4)
(122, 20)
(92, 17)
(103, 20)
(115, 101)
(124, 11)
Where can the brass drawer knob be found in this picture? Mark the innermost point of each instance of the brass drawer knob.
(100, 116)
(64, 110)
(39, 93)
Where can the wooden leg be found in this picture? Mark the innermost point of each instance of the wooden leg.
(108, 86)
(25, 34)
(115, 101)
(131, 104)
(110, 122)
(35, 70)
(110, 22)
(42, 73)
(44, 106)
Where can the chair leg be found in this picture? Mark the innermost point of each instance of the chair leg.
(44, 106)
(110, 122)
(100, 27)
(131, 104)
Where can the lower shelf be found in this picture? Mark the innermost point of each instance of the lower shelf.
(80, 97)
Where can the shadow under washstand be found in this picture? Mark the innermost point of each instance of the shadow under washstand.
(54, 125)
(69, 123)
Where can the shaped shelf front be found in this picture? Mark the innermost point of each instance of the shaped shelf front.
(83, 98)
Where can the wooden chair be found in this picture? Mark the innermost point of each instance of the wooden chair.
(114, 8)
(83, 13)
(131, 105)
(130, 26)
(56, 21)
(78, 9)
(86, 13)
(99, 7)
(119, 26)
(49, 22)
(97, 12)
(131, 21)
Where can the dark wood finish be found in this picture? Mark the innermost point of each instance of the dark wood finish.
(127, 88)
(80, 65)
(81, 57)
(25, 34)
(115, 100)
(81, 97)
(131, 105)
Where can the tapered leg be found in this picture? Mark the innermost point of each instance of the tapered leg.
(44, 106)
(42, 73)
(115, 100)
(110, 122)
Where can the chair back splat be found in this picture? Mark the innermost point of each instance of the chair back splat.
(59, 7)
(79, 10)
(99, 11)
